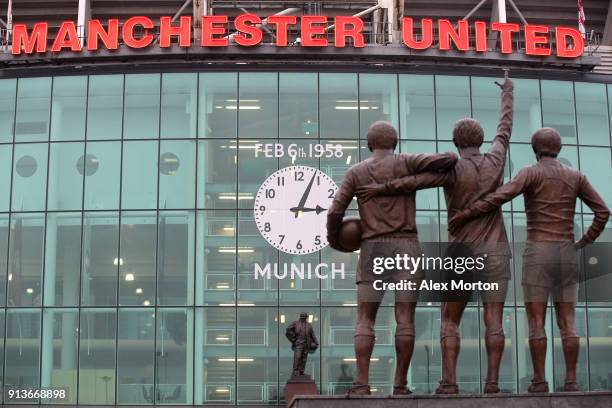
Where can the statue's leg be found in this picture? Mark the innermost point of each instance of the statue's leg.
(450, 344)
(495, 340)
(404, 342)
(535, 306)
(297, 357)
(367, 308)
(302, 361)
(566, 320)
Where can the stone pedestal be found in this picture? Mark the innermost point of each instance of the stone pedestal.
(552, 400)
(299, 385)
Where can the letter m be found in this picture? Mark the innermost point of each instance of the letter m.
(22, 42)
(264, 273)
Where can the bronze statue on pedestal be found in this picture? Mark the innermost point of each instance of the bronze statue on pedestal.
(303, 341)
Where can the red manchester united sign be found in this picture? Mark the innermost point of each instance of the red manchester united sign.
(246, 31)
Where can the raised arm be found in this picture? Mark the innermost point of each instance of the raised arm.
(600, 211)
(501, 141)
(336, 211)
(491, 201)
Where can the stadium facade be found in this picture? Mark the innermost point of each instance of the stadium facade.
(128, 176)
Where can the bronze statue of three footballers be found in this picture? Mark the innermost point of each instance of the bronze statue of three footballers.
(385, 185)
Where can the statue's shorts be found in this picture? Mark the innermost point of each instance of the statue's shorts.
(550, 268)
(496, 271)
(379, 268)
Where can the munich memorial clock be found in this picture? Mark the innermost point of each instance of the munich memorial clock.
(291, 209)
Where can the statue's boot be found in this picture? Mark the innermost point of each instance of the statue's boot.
(359, 389)
(571, 386)
(401, 390)
(445, 388)
(538, 386)
(491, 387)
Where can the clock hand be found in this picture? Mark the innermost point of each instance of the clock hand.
(305, 195)
(318, 210)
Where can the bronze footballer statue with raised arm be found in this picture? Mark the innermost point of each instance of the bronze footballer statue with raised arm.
(550, 262)
(475, 175)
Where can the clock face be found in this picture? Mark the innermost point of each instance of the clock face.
(291, 209)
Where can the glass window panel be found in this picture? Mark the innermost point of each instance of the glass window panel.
(65, 176)
(257, 358)
(417, 107)
(102, 167)
(177, 172)
(428, 198)
(337, 353)
(62, 259)
(7, 109)
(4, 256)
(377, 100)
(558, 108)
(100, 261)
(596, 165)
(175, 258)
(252, 172)
(97, 356)
(592, 111)
(336, 167)
(598, 280)
(174, 370)
(26, 259)
(137, 263)
(139, 177)
(68, 108)
(486, 100)
(600, 349)
(29, 177)
(2, 344)
(527, 109)
(6, 161)
(258, 105)
(216, 257)
(452, 103)
(217, 174)
(33, 101)
(22, 353)
(215, 348)
(179, 102)
(105, 107)
(286, 316)
(338, 106)
(141, 110)
(304, 291)
(218, 113)
(298, 105)
(60, 352)
(253, 249)
(136, 356)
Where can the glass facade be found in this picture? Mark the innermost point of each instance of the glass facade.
(127, 237)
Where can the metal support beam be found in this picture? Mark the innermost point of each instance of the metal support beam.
(517, 11)
(264, 22)
(180, 10)
(9, 21)
(83, 15)
(2, 22)
(475, 9)
(200, 8)
(498, 14)
(360, 14)
(607, 36)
